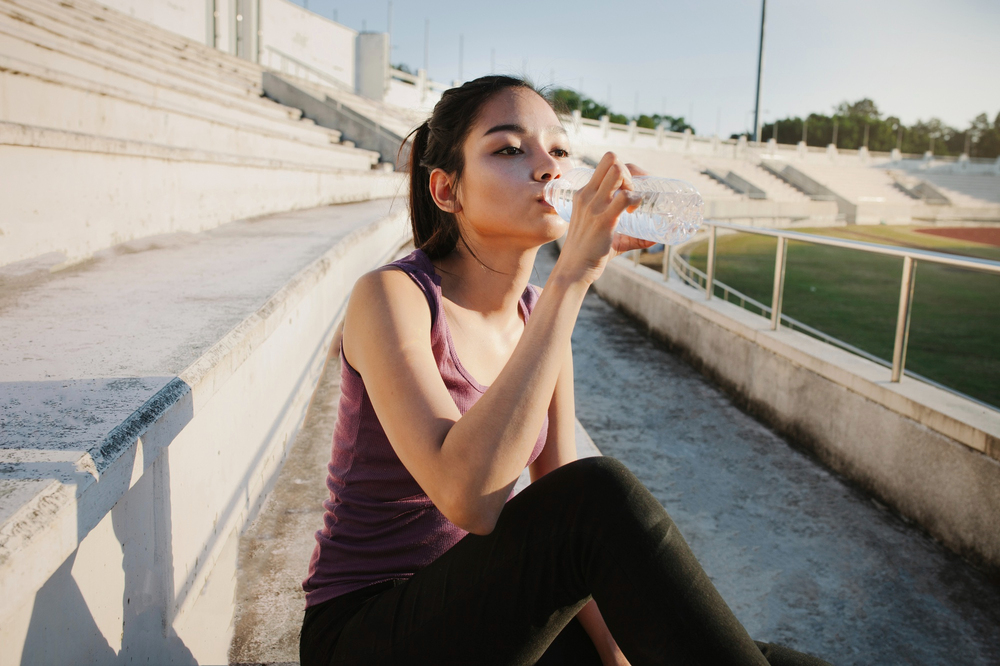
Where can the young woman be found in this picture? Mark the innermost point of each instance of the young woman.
(456, 375)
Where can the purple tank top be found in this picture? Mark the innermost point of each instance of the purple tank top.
(379, 524)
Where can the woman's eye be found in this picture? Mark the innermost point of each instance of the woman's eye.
(559, 152)
(509, 150)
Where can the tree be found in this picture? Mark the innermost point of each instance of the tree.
(669, 122)
(863, 108)
(566, 100)
(981, 139)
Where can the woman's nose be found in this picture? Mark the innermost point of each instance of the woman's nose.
(547, 169)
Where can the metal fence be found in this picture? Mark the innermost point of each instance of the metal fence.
(706, 280)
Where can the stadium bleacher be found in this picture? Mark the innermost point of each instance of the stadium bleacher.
(776, 189)
(966, 189)
(111, 95)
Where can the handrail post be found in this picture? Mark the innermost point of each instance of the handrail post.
(778, 293)
(903, 317)
(666, 262)
(710, 268)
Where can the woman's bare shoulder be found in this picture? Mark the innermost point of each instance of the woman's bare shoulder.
(386, 304)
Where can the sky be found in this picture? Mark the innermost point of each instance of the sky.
(916, 59)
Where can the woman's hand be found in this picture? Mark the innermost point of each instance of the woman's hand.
(623, 243)
(591, 240)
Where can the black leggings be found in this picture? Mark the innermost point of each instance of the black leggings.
(588, 529)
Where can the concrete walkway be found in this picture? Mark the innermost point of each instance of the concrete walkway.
(802, 558)
(84, 347)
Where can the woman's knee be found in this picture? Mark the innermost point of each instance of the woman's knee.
(603, 477)
(615, 492)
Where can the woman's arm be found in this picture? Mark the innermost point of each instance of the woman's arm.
(468, 464)
(560, 438)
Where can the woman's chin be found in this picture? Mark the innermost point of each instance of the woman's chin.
(554, 227)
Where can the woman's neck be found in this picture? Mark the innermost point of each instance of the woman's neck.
(492, 286)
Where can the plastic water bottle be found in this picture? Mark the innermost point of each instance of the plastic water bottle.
(671, 210)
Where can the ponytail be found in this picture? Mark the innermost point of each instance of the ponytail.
(435, 231)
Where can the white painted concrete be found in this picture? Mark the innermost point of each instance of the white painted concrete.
(119, 525)
(142, 132)
(183, 17)
(113, 191)
(90, 108)
(373, 66)
(317, 42)
(929, 454)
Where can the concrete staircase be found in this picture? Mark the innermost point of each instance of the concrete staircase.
(106, 110)
(776, 189)
(966, 190)
(671, 165)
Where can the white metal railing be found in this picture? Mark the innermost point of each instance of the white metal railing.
(706, 280)
(417, 80)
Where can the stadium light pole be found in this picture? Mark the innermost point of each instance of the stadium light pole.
(760, 72)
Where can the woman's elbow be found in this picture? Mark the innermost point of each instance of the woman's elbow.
(473, 519)
(481, 525)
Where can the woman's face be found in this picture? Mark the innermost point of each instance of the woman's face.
(515, 147)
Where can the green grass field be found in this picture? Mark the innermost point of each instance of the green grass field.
(854, 296)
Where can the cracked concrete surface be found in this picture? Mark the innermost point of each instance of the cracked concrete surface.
(802, 557)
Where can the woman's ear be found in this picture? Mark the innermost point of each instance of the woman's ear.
(443, 192)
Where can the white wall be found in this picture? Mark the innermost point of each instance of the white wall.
(183, 17)
(420, 96)
(311, 39)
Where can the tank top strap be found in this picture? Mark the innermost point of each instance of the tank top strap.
(529, 298)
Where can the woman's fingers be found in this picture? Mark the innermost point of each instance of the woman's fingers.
(636, 170)
(601, 170)
(623, 243)
(623, 199)
(616, 178)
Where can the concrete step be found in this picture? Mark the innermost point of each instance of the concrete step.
(112, 191)
(668, 165)
(153, 42)
(777, 190)
(967, 190)
(399, 121)
(858, 184)
(125, 26)
(124, 48)
(65, 54)
(47, 99)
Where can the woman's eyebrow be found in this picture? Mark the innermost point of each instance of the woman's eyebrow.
(519, 129)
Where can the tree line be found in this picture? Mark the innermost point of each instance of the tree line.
(566, 100)
(861, 123)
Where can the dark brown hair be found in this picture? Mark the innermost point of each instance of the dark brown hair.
(437, 144)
